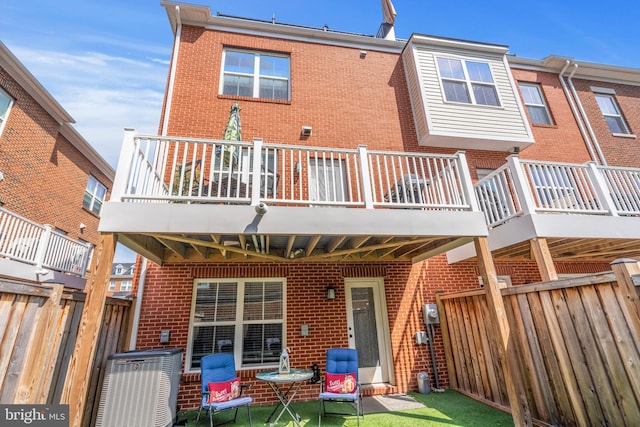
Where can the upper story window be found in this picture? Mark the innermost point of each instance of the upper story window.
(94, 195)
(469, 82)
(536, 106)
(126, 285)
(112, 285)
(240, 316)
(5, 105)
(255, 74)
(611, 113)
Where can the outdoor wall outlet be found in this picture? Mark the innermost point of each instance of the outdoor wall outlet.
(421, 338)
(164, 337)
(304, 330)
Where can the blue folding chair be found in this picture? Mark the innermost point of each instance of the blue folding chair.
(341, 361)
(216, 368)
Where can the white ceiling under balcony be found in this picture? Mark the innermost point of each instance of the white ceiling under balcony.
(218, 232)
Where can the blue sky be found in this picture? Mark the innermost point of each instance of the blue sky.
(106, 61)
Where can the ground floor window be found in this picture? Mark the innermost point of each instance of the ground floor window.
(240, 316)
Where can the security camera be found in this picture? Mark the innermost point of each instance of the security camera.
(261, 208)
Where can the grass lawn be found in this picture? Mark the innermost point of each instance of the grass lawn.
(448, 409)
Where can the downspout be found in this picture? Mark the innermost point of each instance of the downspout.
(165, 123)
(574, 110)
(594, 140)
(136, 313)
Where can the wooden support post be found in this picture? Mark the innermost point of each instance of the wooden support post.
(446, 340)
(78, 374)
(626, 270)
(541, 253)
(506, 353)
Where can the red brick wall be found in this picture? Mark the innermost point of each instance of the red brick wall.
(167, 303)
(618, 150)
(45, 176)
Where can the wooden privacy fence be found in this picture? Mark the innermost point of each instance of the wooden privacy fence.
(38, 328)
(576, 342)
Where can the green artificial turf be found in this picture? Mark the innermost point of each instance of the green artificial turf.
(448, 409)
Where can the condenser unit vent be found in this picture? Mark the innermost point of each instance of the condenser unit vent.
(140, 389)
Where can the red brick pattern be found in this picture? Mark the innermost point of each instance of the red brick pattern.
(45, 176)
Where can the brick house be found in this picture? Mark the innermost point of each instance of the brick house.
(369, 166)
(52, 184)
(121, 281)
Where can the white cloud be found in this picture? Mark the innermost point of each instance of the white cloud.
(103, 93)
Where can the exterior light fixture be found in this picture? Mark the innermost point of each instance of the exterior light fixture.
(305, 131)
(331, 292)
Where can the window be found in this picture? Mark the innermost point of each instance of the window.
(112, 285)
(5, 105)
(327, 180)
(119, 270)
(254, 74)
(125, 285)
(536, 107)
(240, 316)
(611, 113)
(94, 195)
(467, 81)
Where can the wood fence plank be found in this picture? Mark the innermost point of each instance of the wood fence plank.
(573, 331)
(564, 361)
(557, 387)
(598, 338)
(622, 357)
(470, 342)
(35, 363)
(446, 340)
(24, 324)
(74, 314)
(482, 374)
(488, 354)
(454, 326)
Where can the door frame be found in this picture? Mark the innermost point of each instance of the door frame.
(382, 321)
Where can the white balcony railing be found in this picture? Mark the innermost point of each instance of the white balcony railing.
(182, 170)
(525, 186)
(25, 241)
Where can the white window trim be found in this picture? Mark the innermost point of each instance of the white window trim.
(467, 81)
(544, 105)
(256, 72)
(237, 352)
(4, 118)
(126, 285)
(94, 195)
(619, 115)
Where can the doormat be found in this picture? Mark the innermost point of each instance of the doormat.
(389, 403)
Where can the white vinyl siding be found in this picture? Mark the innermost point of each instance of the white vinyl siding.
(446, 121)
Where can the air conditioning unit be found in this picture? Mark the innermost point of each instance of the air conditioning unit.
(140, 388)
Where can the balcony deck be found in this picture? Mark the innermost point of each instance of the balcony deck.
(180, 199)
(33, 252)
(584, 211)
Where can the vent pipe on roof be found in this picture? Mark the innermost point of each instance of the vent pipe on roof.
(386, 30)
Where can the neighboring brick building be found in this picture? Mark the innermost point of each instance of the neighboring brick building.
(361, 187)
(50, 175)
(121, 281)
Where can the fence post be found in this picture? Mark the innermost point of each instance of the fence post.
(446, 341)
(365, 177)
(520, 410)
(43, 243)
(119, 188)
(601, 188)
(521, 185)
(466, 183)
(79, 372)
(255, 174)
(627, 272)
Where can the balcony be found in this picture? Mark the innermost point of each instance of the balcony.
(180, 199)
(36, 253)
(583, 210)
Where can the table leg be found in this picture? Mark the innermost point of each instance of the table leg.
(278, 391)
(286, 402)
